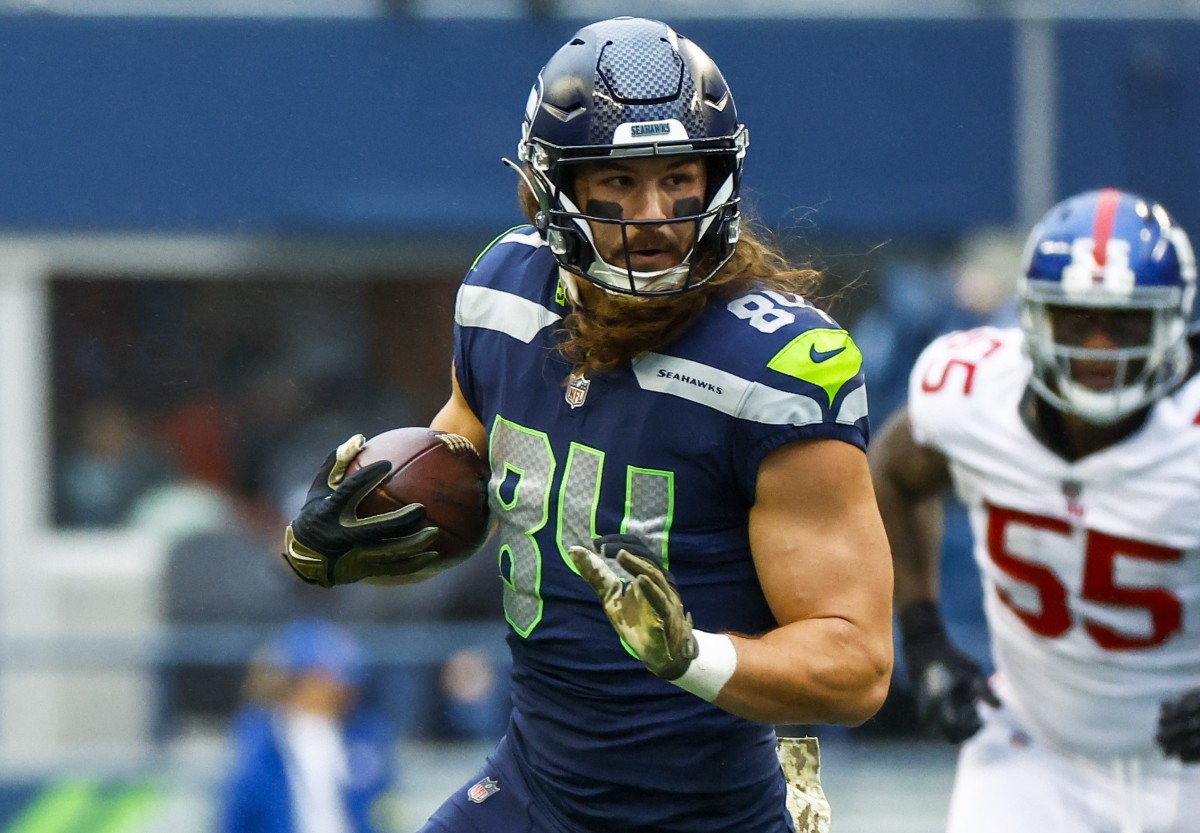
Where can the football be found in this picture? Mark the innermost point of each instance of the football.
(442, 472)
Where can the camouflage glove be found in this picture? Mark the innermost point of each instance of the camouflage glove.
(1179, 727)
(329, 544)
(947, 682)
(641, 601)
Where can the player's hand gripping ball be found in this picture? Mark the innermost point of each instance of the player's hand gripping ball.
(395, 509)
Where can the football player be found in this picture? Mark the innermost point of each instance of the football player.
(1074, 443)
(690, 549)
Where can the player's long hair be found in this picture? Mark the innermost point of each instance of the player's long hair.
(608, 330)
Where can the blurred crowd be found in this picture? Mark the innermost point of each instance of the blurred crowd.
(200, 411)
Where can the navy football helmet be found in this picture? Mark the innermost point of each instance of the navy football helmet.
(1107, 251)
(631, 87)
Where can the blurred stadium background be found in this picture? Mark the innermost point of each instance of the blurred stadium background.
(230, 236)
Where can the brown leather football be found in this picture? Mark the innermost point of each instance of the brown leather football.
(442, 472)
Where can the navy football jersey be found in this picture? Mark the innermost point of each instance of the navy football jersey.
(667, 449)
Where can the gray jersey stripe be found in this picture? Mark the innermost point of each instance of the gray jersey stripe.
(686, 379)
(491, 309)
(528, 238)
(854, 406)
(724, 391)
(779, 407)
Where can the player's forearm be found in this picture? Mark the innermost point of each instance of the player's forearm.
(909, 481)
(816, 671)
(914, 529)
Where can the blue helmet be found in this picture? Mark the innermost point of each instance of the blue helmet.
(1108, 250)
(632, 87)
(315, 646)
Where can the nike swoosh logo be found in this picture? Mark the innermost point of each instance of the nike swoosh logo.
(819, 356)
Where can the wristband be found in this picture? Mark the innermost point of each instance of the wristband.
(715, 662)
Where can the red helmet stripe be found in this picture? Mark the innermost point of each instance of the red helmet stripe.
(1106, 215)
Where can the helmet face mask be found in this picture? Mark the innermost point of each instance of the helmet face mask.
(627, 89)
(1105, 299)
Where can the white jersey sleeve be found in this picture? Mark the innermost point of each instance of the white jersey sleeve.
(1091, 568)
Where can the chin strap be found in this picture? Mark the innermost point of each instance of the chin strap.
(570, 283)
(608, 275)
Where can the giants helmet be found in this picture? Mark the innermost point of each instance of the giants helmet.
(630, 87)
(1113, 251)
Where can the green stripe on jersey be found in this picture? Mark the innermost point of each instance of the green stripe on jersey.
(825, 358)
(489, 246)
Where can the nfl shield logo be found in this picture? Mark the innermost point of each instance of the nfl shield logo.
(577, 391)
(1072, 490)
(484, 790)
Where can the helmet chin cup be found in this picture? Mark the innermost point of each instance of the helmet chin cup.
(629, 282)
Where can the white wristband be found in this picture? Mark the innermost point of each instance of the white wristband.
(715, 662)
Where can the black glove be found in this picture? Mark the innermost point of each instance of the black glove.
(947, 682)
(609, 545)
(1179, 727)
(329, 544)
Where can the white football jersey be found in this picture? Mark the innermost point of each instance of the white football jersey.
(1091, 568)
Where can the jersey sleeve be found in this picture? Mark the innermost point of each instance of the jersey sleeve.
(494, 298)
(922, 412)
(808, 384)
(957, 374)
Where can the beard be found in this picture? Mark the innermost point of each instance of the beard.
(606, 330)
